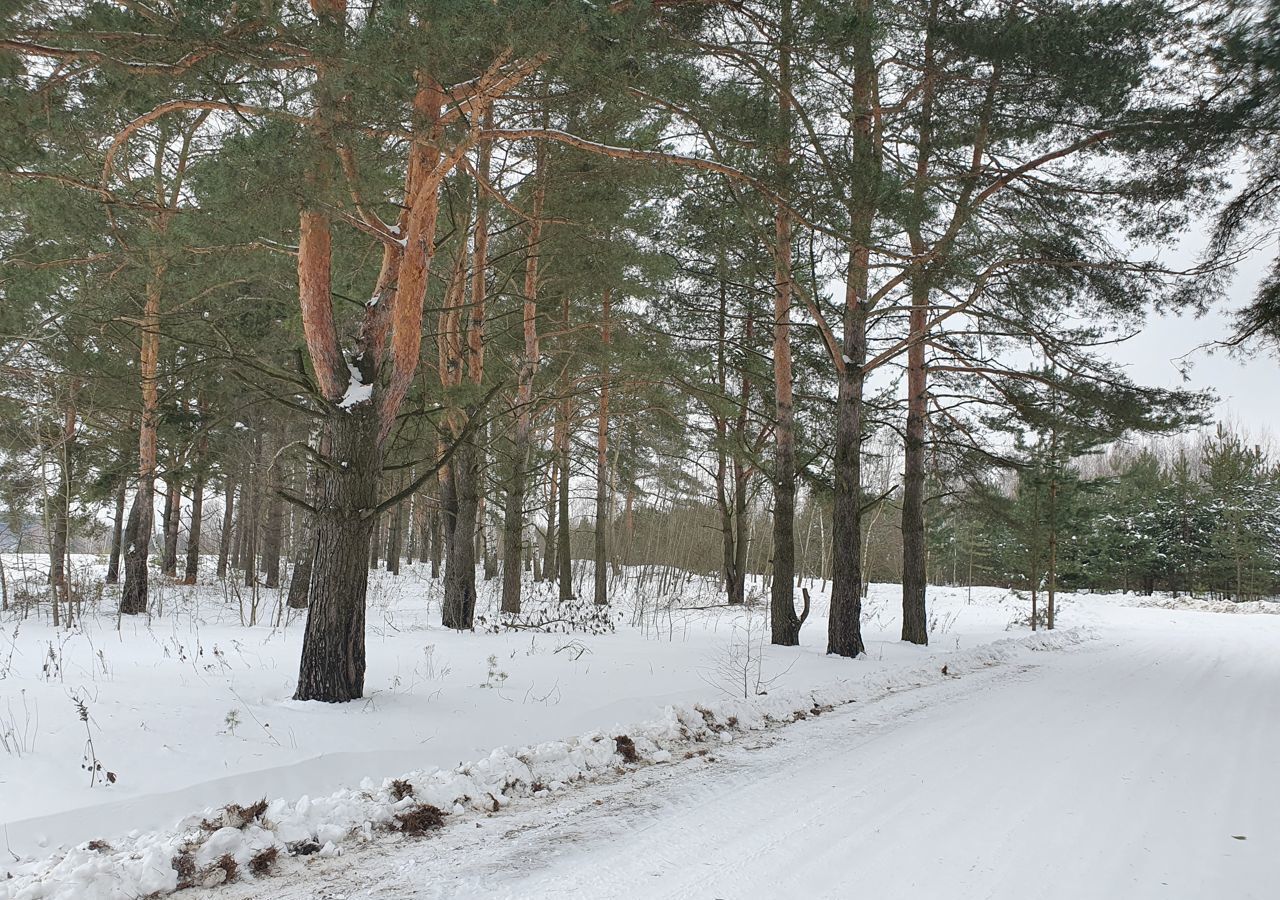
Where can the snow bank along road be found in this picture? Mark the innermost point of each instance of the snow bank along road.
(1141, 765)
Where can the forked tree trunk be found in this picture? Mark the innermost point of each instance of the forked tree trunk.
(333, 648)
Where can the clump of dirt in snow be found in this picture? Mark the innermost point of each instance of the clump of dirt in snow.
(262, 861)
(400, 788)
(420, 819)
(626, 748)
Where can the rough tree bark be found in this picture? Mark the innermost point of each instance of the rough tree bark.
(564, 534)
(844, 625)
(59, 575)
(914, 559)
(305, 554)
(458, 607)
(729, 556)
(914, 625)
(117, 532)
(192, 567)
(784, 622)
(333, 648)
(228, 526)
(273, 538)
(513, 523)
(172, 520)
(602, 459)
(395, 539)
(460, 567)
(133, 597)
(250, 517)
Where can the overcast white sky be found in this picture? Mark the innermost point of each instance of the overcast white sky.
(1248, 387)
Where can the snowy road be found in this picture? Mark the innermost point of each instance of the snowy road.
(1144, 765)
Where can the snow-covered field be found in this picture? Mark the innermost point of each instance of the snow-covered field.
(190, 711)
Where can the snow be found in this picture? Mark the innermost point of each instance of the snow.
(357, 390)
(160, 695)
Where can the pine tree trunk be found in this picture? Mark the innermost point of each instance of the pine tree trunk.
(133, 597)
(513, 519)
(738, 595)
(273, 539)
(192, 569)
(333, 647)
(300, 579)
(513, 525)
(741, 477)
(422, 526)
(172, 521)
(784, 621)
(395, 536)
(729, 557)
(117, 533)
(914, 624)
(228, 526)
(914, 553)
(413, 507)
(602, 461)
(564, 534)
(628, 525)
(460, 567)
(437, 533)
(1051, 585)
(844, 624)
(550, 545)
(304, 552)
(250, 514)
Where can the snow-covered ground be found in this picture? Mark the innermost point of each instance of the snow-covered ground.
(190, 711)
